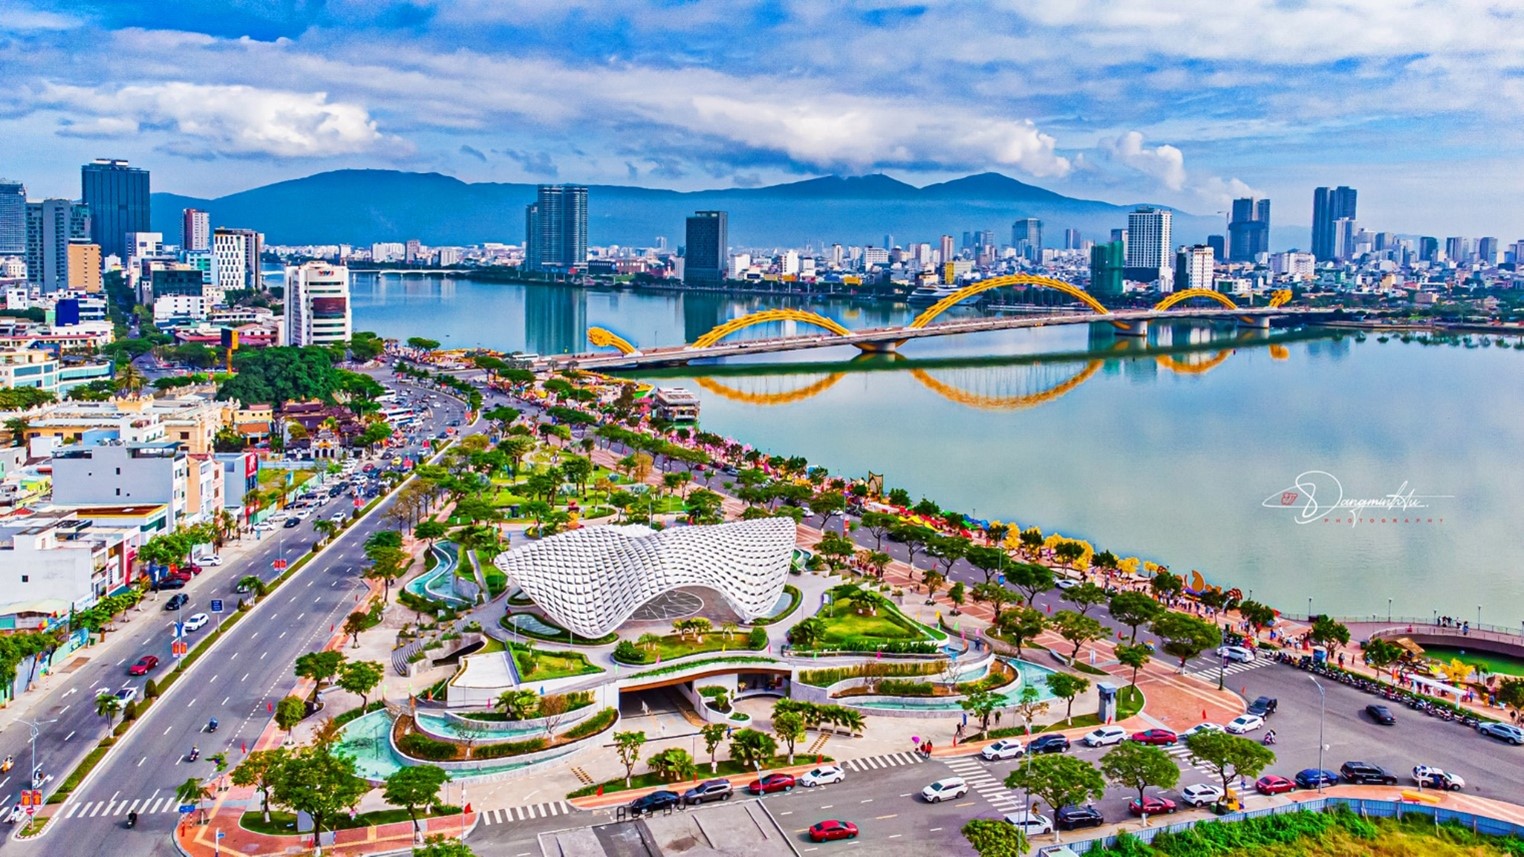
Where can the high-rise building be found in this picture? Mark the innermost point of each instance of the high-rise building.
(1149, 252)
(50, 225)
(1107, 262)
(1428, 248)
(1487, 251)
(1344, 233)
(555, 228)
(1120, 235)
(1458, 249)
(888, 241)
(84, 266)
(1249, 229)
(1071, 239)
(1328, 206)
(12, 218)
(1193, 267)
(411, 251)
(1518, 254)
(195, 230)
(1026, 237)
(118, 198)
(317, 309)
(230, 262)
(947, 249)
(1219, 245)
(705, 246)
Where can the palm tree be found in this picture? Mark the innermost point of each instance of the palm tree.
(326, 527)
(129, 379)
(107, 706)
(253, 583)
(191, 791)
(728, 628)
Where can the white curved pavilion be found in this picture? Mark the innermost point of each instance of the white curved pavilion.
(590, 580)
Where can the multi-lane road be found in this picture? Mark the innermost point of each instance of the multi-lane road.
(237, 682)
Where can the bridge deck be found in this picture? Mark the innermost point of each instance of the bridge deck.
(667, 355)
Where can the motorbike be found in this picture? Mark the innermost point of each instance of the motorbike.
(195, 754)
(10, 762)
(211, 725)
(1269, 739)
(132, 820)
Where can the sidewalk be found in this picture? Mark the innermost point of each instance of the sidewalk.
(200, 840)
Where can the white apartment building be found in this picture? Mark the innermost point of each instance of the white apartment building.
(317, 304)
(230, 259)
(1297, 266)
(53, 562)
(1148, 244)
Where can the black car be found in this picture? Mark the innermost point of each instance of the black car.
(1075, 817)
(176, 601)
(169, 583)
(1263, 706)
(653, 802)
(1365, 773)
(1049, 744)
(1380, 714)
(709, 790)
(292, 522)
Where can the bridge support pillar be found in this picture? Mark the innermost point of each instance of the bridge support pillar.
(1131, 328)
(1256, 322)
(887, 347)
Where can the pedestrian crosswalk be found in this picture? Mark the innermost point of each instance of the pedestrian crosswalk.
(887, 760)
(1209, 673)
(985, 784)
(108, 808)
(1183, 755)
(503, 815)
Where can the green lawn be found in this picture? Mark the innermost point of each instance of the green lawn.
(673, 646)
(554, 663)
(1485, 661)
(844, 623)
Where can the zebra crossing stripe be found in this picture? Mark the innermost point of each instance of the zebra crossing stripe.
(96, 809)
(73, 808)
(133, 807)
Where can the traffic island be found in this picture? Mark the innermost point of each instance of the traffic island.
(223, 834)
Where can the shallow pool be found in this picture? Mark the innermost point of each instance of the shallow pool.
(365, 739)
(533, 624)
(1028, 672)
(438, 724)
(436, 584)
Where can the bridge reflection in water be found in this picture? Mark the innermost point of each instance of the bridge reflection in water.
(1010, 385)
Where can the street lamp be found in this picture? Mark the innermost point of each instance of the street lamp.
(35, 728)
(1322, 707)
(1389, 610)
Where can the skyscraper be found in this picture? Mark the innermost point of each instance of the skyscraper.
(317, 304)
(1428, 248)
(50, 225)
(1328, 206)
(1458, 249)
(1071, 239)
(118, 198)
(1249, 229)
(555, 228)
(1487, 251)
(704, 253)
(1193, 267)
(1026, 237)
(1219, 246)
(195, 230)
(12, 218)
(947, 249)
(1149, 253)
(1106, 263)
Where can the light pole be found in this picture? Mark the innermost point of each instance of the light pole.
(35, 727)
(1322, 707)
(1389, 610)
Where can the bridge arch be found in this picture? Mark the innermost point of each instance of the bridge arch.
(725, 391)
(604, 338)
(1005, 403)
(1189, 294)
(766, 316)
(1186, 367)
(930, 313)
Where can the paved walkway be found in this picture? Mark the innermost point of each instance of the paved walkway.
(201, 840)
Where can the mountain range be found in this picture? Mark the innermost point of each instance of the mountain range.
(365, 206)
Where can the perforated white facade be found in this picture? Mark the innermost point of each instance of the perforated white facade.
(591, 580)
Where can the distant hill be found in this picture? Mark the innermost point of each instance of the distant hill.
(364, 206)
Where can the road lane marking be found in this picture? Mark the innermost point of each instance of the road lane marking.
(70, 735)
(69, 691)
(262, 654)
(828, 806)
(882, 817)
(244, 679)
(65, 708)
(966, 803)
(868, 800)
(790, 812)
(141, 761)
(932, 829)
(225, 702)
(167, 728)
(895, 835)
(282, 636)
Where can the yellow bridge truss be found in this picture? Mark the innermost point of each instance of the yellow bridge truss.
(604, 338)
(767, 316)
(952, 300)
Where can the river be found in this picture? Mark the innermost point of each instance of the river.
(1203, 448)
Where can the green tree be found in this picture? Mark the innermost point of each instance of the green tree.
(806, 633)
(789, 726)
(713, 735)
(836, 549)
(360, 678)
(1021, 624)
(518, 704)
(1134, 609)
(1256, 614)
(878, 524)
(259, 770)
(1067, 686)
(1086, 596)
(289, 712)
(1135, 655)
(1138, 766)
(443, 846)
(1230, 756)
(1381, 653)
(1328, 632)
(957, 594)
(192, 791)
(1057, 780)
(672, 764)
(752, 748)
(319, 783)
(1077, 629)
(422, 343)
(1184, 636)
(628, 746)
(994, 838)
(982, 704)
(1511, 693)
(1166, 585)
(1031, 578)
(996, 596)
(108, 706)
(319, 667)
(413, 786)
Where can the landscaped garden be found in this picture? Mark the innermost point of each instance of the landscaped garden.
(546, 664)
(861, 620)
(695, 639)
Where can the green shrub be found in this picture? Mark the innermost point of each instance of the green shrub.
(423, 747)
(904, 687)
(756, 639)
(629, 653)
(832, 675)
(511, 748)
(591, 726)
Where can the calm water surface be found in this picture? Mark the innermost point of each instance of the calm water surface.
(1179, 450)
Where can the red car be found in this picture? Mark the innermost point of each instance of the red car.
(1155, 736)
(1151, 805)
(772, 783)
(144, 664)
(1271, 784)
(833, 829)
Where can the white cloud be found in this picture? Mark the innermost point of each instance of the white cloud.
(1164, 163)
(221, 120)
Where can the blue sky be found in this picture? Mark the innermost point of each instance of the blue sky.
(1187, 102)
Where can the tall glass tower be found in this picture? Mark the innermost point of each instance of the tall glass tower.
(117, 196)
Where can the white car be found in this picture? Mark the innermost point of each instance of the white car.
(1066, 583)
(1238, 654)
(823, 775)
(265, 527)
(126, 695)
(1430, 777)
(196, 622)
(1005, 748)
(210, 559)
(340, 517)
(1200, 794)
(1105, 735)
(1245, 723)
(1030, 823)
(1200, 728)
(303, 514)
(947, 788)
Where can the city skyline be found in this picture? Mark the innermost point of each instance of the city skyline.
(1168, 103)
